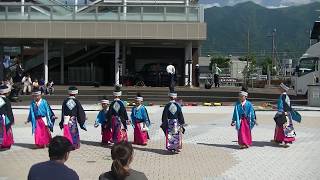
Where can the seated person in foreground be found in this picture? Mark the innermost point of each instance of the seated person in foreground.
(54, 169)
(122, 156)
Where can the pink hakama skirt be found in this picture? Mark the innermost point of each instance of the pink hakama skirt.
(106, 135)
(140, 136)
(6, 135)
(244, 133)
(71, 132)
(280, 137)
(42, 135)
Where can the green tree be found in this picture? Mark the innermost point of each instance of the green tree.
(222, 62)
(265, 63)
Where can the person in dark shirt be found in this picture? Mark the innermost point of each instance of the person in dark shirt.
(122, 156)
(54, 169)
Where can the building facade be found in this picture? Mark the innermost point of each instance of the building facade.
(110, 41)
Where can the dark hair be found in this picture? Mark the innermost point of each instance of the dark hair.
(244, 88)
(59, 146)
(121, 154)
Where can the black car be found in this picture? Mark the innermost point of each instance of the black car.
(154, 74)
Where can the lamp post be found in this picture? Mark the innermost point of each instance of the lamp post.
(189, 62)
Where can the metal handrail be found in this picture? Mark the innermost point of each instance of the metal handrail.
(163, 15)
(94, 5)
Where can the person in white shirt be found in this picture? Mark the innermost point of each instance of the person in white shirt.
(171, 70)
(26, 81)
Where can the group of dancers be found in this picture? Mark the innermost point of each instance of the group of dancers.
(244, 119)
(114, 120)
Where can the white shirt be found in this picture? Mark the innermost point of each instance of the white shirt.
(26, 81)
(171, 69)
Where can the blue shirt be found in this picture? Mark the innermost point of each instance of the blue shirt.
(51, 170)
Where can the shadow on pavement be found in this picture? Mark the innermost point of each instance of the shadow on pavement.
(264, 143)
(94, 143)
(156, 151)
(229, 146)
(26, 145)
(254, 144)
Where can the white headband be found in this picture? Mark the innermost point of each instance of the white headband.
(284, 87)
(36, 93)
(139, 98)
(119, 93)
(105, 101)
(243, 93)
(73, 91)
(174, 95)
(4, 91)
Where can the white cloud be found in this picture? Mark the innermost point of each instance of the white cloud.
(277, 7)
(211, 5)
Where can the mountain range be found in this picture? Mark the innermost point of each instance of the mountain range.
(228, 28)
(265, 3)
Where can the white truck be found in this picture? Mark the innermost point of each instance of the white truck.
(308, 70)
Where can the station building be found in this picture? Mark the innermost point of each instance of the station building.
(105, 41)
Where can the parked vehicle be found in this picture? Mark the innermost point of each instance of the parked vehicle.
(154, 74)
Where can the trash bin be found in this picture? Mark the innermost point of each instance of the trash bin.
(314, 95)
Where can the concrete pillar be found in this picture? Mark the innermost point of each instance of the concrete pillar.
(45, 58)
(124, 9)
(62, 65)
(76, 4)
(123, 70)
(188, 68)
(22, 7)
(116, 62)
(123, 65)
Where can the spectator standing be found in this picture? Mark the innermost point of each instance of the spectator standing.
(216, 71)
(59, 150)
(49, 88)
(42, 86)
(26, 81)
(171, 70)
(197, 75)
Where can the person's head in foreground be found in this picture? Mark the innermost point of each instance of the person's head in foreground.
(122, 156)
(59, 149)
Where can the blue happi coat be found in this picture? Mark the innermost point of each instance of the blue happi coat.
(44, 110)
(246, 111)
(283, 103)
(140, 114)
(101, 117)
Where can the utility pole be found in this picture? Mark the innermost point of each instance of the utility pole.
(310, 40)
(248, 54)
(274, 63)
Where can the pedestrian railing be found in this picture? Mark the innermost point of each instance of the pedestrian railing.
(101, 12)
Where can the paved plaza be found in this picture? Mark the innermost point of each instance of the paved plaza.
(210, 149)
